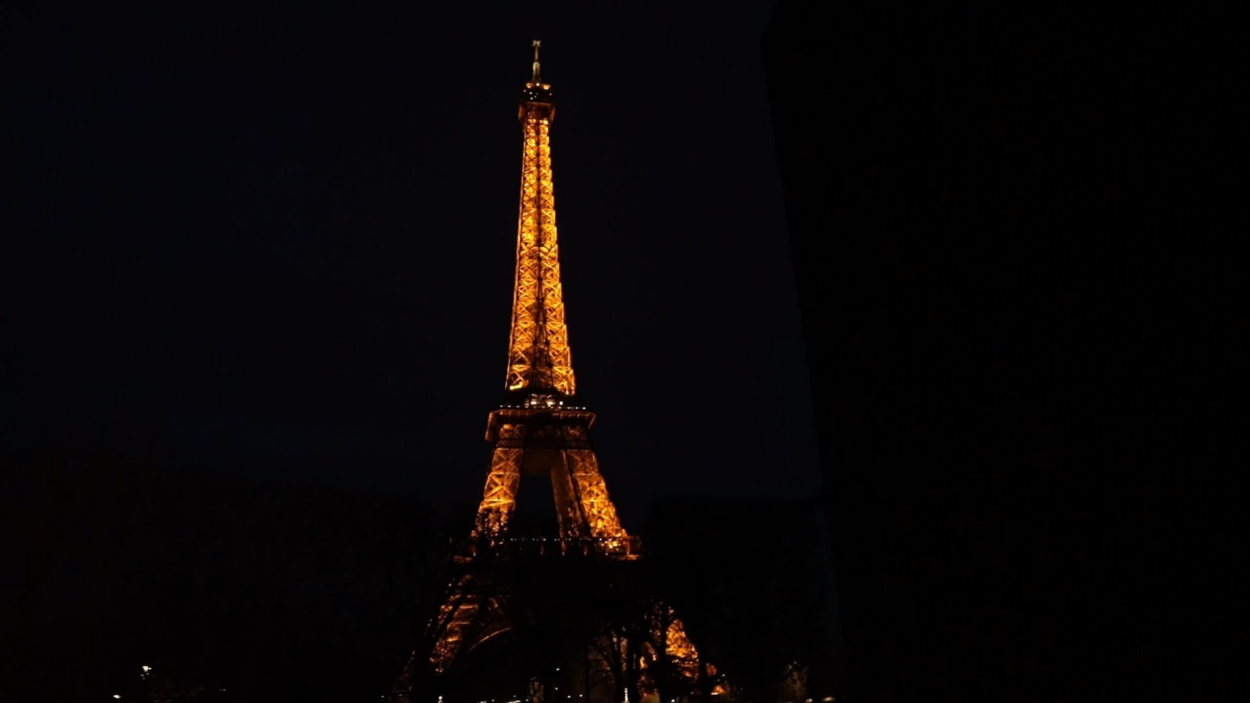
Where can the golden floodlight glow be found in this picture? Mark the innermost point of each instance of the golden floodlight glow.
(680, 648)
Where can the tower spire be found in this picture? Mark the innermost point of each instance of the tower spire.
(537, 68)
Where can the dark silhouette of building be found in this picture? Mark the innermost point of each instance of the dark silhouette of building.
(1013, 236)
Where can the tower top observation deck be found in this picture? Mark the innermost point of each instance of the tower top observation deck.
(536, 98)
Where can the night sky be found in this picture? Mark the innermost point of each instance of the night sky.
(281, 242)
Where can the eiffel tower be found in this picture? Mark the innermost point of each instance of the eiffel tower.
(540, 430)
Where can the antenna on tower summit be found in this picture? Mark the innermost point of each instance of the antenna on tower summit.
(536, 43)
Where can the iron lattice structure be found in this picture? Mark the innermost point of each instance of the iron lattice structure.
(539, 429)
(538, 352)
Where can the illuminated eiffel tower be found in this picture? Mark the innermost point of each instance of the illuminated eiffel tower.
(538, 430)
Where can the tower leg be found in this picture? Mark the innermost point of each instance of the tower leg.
(499, 496)
(592, 490)
(568, 507)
